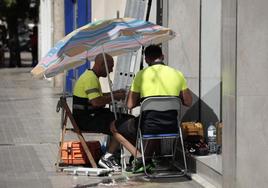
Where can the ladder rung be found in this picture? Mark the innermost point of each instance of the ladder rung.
(70, 129)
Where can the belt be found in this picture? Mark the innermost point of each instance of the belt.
(81, 107)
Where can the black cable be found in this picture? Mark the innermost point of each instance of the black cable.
(146, 19)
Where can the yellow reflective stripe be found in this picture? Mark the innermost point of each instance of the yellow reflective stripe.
(93, 90)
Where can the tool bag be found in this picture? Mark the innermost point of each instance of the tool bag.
(72, 152)
(192, 131)
(193, 135)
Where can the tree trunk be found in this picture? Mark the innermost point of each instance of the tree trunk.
(13, 43)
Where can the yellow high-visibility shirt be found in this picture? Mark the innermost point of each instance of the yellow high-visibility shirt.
(158, 80)
(88, 86)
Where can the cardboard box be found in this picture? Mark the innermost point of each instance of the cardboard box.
(219, 127)
(190, 129)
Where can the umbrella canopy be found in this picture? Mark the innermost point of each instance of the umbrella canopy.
(114, 36)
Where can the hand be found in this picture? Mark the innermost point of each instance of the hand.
(120, 91)
(119, 94)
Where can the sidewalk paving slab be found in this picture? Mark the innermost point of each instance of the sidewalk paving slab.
(29, 136)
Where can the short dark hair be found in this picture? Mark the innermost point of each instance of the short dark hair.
(153, 52)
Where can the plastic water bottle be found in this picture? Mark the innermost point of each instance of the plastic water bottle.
(212, 138)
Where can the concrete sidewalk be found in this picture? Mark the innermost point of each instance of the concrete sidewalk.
(29, 136)
(26, 60)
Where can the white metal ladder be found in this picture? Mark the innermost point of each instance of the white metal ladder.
(128, 65)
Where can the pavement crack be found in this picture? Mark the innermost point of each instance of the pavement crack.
(7, 144)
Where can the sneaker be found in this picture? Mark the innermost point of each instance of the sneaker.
(109, 163)
(137, 166)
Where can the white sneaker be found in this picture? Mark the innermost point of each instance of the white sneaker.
(109, 163)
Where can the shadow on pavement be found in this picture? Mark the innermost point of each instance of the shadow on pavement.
(134, 180)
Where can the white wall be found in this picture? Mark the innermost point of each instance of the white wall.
(228, 62)
(210, 61)
(45, 30)
(245, 93)
(103, 9)
(58, 34)
(252, 94)
(51, 12)
(196, 52)
(183, 18)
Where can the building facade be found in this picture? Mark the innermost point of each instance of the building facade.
(221, 48)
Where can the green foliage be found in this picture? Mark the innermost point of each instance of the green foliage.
(9, 3)
(15, 12)
(14, 8)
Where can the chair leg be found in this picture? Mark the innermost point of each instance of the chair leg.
(174, 149)
(142, 155)
(123, 159)
(183, 171)
(63, 131)
(139, 144)
(183, 153)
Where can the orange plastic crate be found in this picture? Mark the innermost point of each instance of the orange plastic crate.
(72, 152)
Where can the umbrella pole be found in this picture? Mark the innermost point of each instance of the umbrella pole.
(110, 84)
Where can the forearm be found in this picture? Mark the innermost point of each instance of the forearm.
(133, 99)
(106, 98)
(101, 101)
(186, 97)
(106, 94)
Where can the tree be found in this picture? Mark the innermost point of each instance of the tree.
(13, 11)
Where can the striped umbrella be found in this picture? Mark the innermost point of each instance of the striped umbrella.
(114, 36)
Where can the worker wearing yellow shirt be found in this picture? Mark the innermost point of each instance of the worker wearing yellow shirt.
(157, 79)
(89, 109)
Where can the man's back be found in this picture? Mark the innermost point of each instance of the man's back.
(159, 80)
